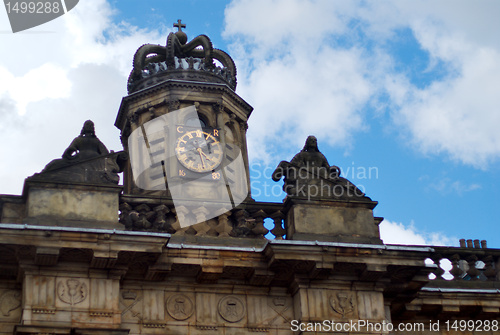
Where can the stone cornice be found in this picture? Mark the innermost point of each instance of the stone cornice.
(235, 98)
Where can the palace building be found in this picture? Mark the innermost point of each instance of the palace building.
(182, 247)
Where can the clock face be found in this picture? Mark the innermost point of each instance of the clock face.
(199, 150)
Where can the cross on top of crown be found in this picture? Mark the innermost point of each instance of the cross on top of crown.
(179, 25)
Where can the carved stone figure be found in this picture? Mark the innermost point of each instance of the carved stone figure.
(312, 159)
(309, 175)
(87, 145)
(85, 160)
(83, 147)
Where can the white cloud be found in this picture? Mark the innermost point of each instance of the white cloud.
(294, 70)
(48, 81)
(458, 115)
(56, 76)
(299, 84)
(398, 233)
(300, 97)
(273, 27)
(446, 185)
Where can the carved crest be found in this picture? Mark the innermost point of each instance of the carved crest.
(128, 300)
(342, 303)
(9, 301)
(231, 308)
(180, 306)
(280, 305)
(72, 291)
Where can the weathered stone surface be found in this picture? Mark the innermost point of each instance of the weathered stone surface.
(221, 108)
(365, 282)
(72, 205)
(12, 209)
(339, 221)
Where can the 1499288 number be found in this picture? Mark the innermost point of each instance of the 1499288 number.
(472, 325)
(33, 7)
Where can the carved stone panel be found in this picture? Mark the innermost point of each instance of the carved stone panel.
(180, 306)
(103, 297)
(206, 311)
(10, 304)
(332, 304)
(269, 312)
(371, 305)
(343, 303)
(231, 308)
(72, 292)
(40, 294)
(153, 306)
(131, 305)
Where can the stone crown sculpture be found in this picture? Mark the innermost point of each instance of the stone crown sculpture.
(180, 60)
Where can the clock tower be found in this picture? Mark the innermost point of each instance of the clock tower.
(184, 126)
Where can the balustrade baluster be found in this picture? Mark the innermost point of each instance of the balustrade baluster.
(473, 272)
(259, 228)
(278, 229)
(439, 270)
(489, 271)
(455, 271)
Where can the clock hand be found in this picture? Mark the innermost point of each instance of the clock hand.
(206, 157)
(201, 157)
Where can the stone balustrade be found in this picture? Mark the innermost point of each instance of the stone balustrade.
(160, 215)
(472, 261)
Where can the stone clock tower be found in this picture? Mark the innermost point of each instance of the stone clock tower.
(185, 127)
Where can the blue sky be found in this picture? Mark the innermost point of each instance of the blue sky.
(407, 90)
